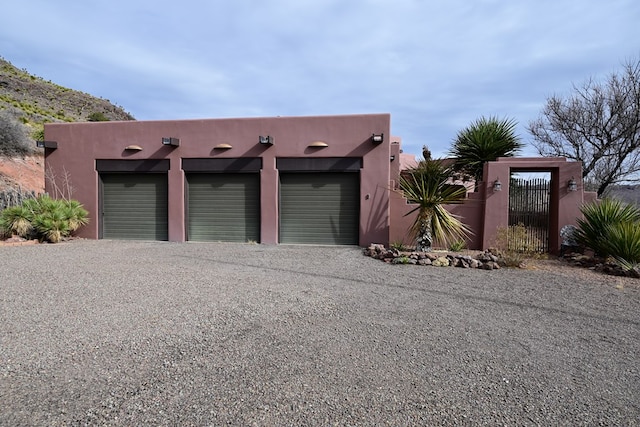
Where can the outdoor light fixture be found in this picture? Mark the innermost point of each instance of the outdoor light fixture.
(265, 140)
(133, 148)
(318, 144)
(223, 146)
(497, 185)
(174, 142)
(377, 138)
(392, 158)
(47, 144)
(572, 185)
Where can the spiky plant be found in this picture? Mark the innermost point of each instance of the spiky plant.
(427, 186)
(16, 220)
(52, 224)
(75, 214)
(45, 218)
(483, 141)
(623, 243)
(594, 229)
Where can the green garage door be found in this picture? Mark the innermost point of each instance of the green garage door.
(320, 208)
(224, 207)
(134, 206)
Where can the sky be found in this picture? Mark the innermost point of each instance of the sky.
(434, 65)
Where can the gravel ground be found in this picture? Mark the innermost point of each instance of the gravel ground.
(153, 333)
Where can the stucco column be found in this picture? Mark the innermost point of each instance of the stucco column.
(496, 207)
(176, 210)
(269, 202)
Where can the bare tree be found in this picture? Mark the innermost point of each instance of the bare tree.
(599, 125)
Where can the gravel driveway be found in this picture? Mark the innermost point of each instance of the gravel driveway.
(156, 333)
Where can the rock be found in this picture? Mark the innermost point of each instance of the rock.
(490, 265)
(424, 261)
(440, 262)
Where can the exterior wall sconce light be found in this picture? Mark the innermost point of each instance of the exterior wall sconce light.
(497, 185)
(133, 148)
(572, 185)
(377, 138)
(174, 142)
(47, 144)
(223, 146)
(392, 158)
(265, 140)
(318, 144)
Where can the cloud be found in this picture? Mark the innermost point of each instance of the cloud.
(434, 65)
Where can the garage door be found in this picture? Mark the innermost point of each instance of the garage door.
(320, 208)
(224, 207)
(134, 206)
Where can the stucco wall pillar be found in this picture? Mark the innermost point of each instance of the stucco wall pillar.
(269, 224)
(496, 206)
(176, 217)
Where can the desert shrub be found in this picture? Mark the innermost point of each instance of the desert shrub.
(457, 246)
(16, 220)
(398, 246)
(14, 140)
(600, 219)
(44, 218)
(97, 116)
(623, 243)
(38, 132)
(513, 245)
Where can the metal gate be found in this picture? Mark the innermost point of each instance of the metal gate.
(529, 201)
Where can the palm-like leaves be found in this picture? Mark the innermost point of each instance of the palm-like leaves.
(427, 185)
(483, 141)
(46, 218)
(600, 218)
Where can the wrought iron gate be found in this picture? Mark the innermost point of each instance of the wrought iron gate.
(529, 201)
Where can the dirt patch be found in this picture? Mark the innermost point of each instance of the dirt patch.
(25, 174)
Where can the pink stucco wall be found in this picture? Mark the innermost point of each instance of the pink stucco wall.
(565, 204)
(486, 211)
(80, 144)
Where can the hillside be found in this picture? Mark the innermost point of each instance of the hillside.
(28, 102)
(34, 100)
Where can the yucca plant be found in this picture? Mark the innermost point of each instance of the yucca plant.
(427, 186)
(595, 228)
(16, 220)
(52, 224)
(45, 218)
(623, 243)
(483, 141)
(75, 214)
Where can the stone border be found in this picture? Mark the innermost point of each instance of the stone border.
(485, 260)
(18, 241)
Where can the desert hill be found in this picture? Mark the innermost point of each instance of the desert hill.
(26, 103)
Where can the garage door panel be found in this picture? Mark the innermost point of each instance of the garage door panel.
(224, 207)
(135, 206)
(319, 208)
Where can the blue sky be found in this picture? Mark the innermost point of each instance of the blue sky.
(434, 65)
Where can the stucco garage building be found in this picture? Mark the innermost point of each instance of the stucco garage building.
(308, 180)
(315, 180)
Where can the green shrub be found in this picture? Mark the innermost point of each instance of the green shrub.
(623, 243)
(16, 220)
(37, 134)
(97, 116)
(600, 219)
(398, 246)
(457, 246)
(44, 218)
